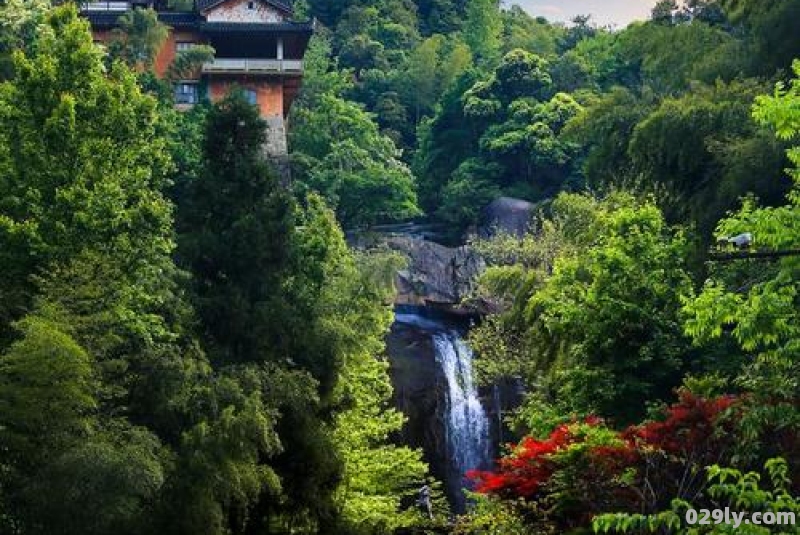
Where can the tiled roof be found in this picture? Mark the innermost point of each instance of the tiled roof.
(108, 19)
(285, 5)
(300, 27)
(180, 20)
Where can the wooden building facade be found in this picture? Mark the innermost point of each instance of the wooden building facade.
(257, 48)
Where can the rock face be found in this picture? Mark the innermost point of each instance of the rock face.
(436, 276)
(419, 393)
(423, 392)
(506, 214)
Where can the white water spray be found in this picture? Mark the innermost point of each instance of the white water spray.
(467, 424)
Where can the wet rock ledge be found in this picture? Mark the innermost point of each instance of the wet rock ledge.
(437, 276)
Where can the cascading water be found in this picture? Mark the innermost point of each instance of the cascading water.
(467, 424)
(433, 378)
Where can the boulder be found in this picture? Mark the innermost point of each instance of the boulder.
(508, 215)
(436, 276)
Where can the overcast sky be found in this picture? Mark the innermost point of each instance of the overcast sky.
(618, 12)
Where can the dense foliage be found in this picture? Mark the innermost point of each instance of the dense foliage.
(743, 327)
(189, 346)
(484, 100)
(185, 347)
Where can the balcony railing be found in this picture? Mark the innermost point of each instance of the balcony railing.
(105, 6)
(254, 66)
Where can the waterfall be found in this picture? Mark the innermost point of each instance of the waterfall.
(433, 379)
(467, 424)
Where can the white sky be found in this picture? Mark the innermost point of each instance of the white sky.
(616, 12)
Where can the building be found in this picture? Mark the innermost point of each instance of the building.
(257, 48)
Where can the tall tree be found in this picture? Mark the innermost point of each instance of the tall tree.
(235, 234)
(758, 307)
(423, 73)
(482, 29)
(338, 151)
(87, 230)
(81, 162)
(262, 267)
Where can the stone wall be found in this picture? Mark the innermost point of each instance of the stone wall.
(245, 11)
(275, 146)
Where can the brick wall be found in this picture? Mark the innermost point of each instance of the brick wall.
(168, 52)
(269, 93)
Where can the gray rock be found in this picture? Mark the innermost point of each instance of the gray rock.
(436, 275)
(276, 149)
(506, 214)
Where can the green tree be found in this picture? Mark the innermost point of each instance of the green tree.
(440, 16)
(521, 74)
(763, 318)
(453, 65)
(423, 68)
(743, 492)
(445, 141)
(81, 162)
(268, 291)
(686, 147)
(602, 308)
(670, 58)
(482, 28)
(339, 152)
(105, 484)
(89, 232)
(20, 23)
(471, 188)
(138, 38)
(521, 30)
(770, 26)
(663, 11)
(221, 474)
(378, 475)
(46, 394)
(605, 126)
(235, 234)
(509, 141)
(187, 62)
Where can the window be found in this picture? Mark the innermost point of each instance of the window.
(251, 5)
(251, 96)
(183, 46)
(185, 93)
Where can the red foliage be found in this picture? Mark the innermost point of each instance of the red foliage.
(691, 423)
(522, 473)
(615, 459)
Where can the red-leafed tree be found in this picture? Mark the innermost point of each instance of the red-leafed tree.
(673, 452)
(584, 468)
(530, 464)
(567, 478)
